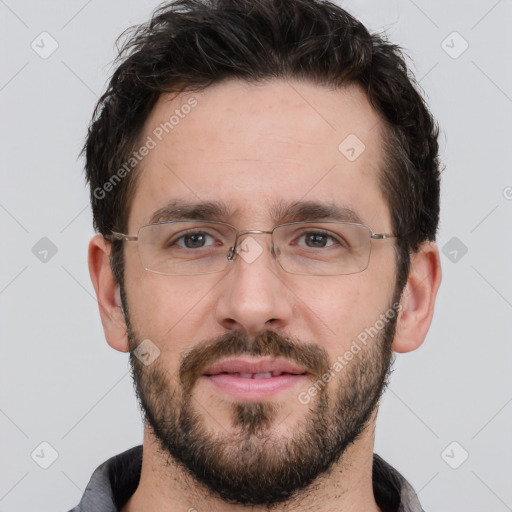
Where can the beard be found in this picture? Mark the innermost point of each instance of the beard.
(251, 463)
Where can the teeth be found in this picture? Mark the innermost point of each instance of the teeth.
(265, 375)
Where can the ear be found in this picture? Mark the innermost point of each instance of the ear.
(418, 298)
(108, 294)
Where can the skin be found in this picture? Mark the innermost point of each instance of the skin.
(251, 146)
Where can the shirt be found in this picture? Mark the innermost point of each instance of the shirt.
(114, 482)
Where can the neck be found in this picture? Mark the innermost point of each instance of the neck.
(166, 486)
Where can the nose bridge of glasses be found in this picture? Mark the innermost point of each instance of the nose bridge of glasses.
(236, 248)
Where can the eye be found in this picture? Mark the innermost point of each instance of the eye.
(193, 240)
(318, 239)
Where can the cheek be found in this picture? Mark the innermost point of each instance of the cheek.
(167, 309)
(334, 313)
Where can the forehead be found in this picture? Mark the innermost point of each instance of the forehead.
(255, 148)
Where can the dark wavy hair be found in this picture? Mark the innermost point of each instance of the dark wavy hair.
(189, 45)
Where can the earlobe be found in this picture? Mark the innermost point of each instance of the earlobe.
(107, 294)
(418, 299)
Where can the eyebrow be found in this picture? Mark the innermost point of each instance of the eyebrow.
(299, 211)
(180, 210)
(281, 212)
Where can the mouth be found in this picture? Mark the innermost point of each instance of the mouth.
(254, 380)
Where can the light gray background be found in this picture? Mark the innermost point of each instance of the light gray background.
(62, 384)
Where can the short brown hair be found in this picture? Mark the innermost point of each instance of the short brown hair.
(191, 44)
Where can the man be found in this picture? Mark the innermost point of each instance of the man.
(265, 183)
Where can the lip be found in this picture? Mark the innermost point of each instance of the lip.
(253, 366)
(226, 377)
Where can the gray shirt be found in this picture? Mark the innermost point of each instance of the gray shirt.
(114, 482)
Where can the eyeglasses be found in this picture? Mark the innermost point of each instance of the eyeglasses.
(189, 247)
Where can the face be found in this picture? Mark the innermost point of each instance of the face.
(257, 365)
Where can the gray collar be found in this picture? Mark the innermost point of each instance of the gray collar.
(114, 482)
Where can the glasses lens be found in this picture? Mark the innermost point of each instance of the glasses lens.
(327, 248)
(185, 248)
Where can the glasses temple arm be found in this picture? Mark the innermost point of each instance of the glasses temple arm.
(121, 236)
(382, 236)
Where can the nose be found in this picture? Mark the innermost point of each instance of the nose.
(253, 296)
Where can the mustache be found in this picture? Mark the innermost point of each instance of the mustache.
(311, 357)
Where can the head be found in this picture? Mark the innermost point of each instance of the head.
(249, 106)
